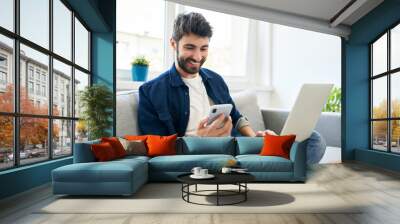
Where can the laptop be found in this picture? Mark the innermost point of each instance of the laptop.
(306, 110)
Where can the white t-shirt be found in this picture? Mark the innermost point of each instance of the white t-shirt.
(199, 103)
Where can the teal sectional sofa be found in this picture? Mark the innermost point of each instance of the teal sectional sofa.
(125, 176)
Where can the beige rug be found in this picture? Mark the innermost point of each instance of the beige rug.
(166, 198)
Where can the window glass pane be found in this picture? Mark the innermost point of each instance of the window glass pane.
(395, 138)
(395, 94)
(62, 89)
(34, 72)
(228, 45)
(33, 139)
(379, 55)
(138, 38)
(395, 47)
(62, 141)
(7, 14)
(62, 29)
(6, 74)
(379, 135)
(81, 81)
(81, 131)
(35, 21)
(81, 45)
(379, 98)
(6, 142)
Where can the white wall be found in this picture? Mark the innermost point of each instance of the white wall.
(300, 56)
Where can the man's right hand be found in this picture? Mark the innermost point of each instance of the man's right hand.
(221, 126)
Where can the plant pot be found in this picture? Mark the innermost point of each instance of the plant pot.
(139, 73)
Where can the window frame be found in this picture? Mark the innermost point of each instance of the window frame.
(16, 115)
(388, 74)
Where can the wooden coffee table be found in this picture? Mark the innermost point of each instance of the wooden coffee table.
(238, 179)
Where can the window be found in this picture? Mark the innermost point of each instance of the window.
(228, 43)
(7, 14)
(30, 87)
(385, 94)
(234, 47)
(138, 38)
(45, 131)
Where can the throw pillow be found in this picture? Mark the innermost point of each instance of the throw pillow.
(103, 151)
(246, 102)
(134, 147)
(161, 145)
(316, 146)
(136, 137)
(275, 145)
(116, 145)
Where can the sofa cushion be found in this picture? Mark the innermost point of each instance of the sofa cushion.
(257, 163)
(83, 152)
(185, 163)
(277, 145)
(206, 145)
(116, 145)
(127, 105)
(249, 145)
(247, 105)
(112, 171)
(161, 145)
(103, 152)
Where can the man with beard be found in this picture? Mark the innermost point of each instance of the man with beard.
(178, 101)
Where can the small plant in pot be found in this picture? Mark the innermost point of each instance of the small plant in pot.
(140, 69)
(96, 102)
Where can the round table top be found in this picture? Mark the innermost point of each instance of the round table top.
(220, 178)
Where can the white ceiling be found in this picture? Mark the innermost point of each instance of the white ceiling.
(315, 15)
(319, 9)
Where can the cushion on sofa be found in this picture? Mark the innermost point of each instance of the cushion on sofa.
(161, 145)
(257, 163)
(111, 171)
(83, 152)
(246, 103)
(185, 163)
(103, 152)
(206, 145)
(249, 145)
(277, 145)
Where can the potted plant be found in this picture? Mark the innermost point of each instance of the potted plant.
(140, 69)
(96, 102)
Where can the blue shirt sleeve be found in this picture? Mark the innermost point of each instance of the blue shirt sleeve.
(149, 122)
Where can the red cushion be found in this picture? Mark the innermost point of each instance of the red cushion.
(277, 145)
(161, 145)
(135, 137)
(116, 145)
(103, 152)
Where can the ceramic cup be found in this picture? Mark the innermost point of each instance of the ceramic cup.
(196, 171)
(203, 172)
(226, 170)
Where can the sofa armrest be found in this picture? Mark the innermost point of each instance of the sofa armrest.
(83, 152)
(299, 158)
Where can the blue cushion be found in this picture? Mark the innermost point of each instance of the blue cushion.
(315, 148)
(249, 145)
(206, 145)
(185, 163)
(257, 163)
(83, 152)
(111, 171)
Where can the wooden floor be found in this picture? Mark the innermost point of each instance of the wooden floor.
(378, 188)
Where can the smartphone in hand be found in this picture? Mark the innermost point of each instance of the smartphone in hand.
(216, 110)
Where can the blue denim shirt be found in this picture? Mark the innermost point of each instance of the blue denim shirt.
(164, 102)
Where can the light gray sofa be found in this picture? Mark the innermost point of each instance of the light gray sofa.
(328, 124)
